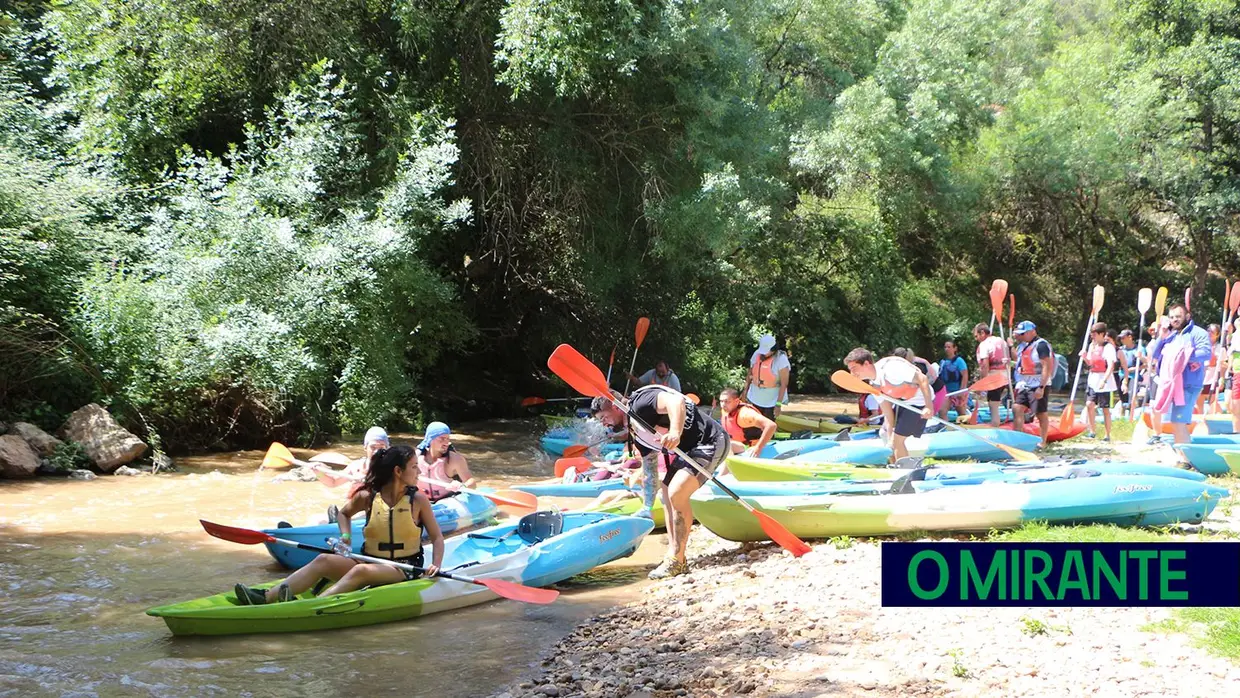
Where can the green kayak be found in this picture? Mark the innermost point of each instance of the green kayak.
(769, 469)
(629, 507)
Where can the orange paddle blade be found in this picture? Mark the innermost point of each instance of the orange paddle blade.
(1233, 301)
(1066, 418)
(780, 535)
(563, 465)
(531, 401)
(612, 360)
(576, 370)
(243, 536)
(851, 383)
(643, 326)
(517, 592)
(575, 450)
(998, 292)
(1011, 312)
(693, 398)
(990, 382)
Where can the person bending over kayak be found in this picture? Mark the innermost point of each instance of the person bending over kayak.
(439, 460)
(748, 428)
(677, 422)
(899, 379)
(397, 513)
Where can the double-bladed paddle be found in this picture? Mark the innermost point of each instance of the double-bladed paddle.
(508, 590)
(576, 370)
(853, 384)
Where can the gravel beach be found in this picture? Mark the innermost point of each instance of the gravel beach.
(752, 620)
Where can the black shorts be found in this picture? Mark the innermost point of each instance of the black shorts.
(996, 394)
(418, 561)
(1025, 398)
(707, 455)
(1098, 396)
(909, 422)
(768, 412)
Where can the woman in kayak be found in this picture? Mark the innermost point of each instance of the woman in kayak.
(445, 471)
(397, 514)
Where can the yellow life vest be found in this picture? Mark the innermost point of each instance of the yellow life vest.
(392, 532)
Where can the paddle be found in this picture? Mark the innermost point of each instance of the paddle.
(1188, 299)
(639, 333)
(694, 398)
(998, 291)
(853, 384)
(278, 453)
(1231, 302)
(563, 465)
(532, 401)
(1068, 417)
(1160, 302)
(1144, 297)
(567, 363)
(611, 362)
(508, 590)
(332, 458)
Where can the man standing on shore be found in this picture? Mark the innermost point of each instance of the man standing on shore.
(1035, 366)
(1194, 342)
(992, 356)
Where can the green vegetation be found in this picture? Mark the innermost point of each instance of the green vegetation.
(237, 221)
(1041, 532)
(1216, 629)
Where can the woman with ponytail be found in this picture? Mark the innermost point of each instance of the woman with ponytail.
(397, 515)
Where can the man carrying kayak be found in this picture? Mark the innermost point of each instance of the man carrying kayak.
(748, 428)
(1192, 343)
(899, 379)
(397, 513)
(677, 423)
(1035, 367)
(992, 355)
(444, 471)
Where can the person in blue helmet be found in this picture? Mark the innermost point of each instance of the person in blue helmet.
(444, 470)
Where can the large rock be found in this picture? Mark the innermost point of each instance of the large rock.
(41, 441)
(105, 442)
(17, 459)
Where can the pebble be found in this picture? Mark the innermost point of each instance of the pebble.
(745, 624)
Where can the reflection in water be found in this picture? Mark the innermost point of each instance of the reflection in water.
(80, 562)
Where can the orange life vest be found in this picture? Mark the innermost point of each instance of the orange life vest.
(731, 423)
(1028, 365)
(764, 375)
(899, 391)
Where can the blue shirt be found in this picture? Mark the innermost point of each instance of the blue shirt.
(952, 367)
(1197, 341)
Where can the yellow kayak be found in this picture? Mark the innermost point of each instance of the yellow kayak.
(818, 425)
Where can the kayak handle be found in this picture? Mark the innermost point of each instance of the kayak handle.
(355, 603)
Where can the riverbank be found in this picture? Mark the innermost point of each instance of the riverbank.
(752, 620)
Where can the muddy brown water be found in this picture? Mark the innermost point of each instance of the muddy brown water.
(80, 562)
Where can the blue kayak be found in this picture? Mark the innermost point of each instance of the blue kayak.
(1206, 458)
(795, 447)
(460, 511)
(589, 488)
(1220, 439)
(555, 445)
(865, 452)
(960, 445)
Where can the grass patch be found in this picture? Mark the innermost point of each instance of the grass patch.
(1041, 532)
(841, 542)
(1215, 629)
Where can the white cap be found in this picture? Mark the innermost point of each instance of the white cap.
(375, 435)
(766, 343)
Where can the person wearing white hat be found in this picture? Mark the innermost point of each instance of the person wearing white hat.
(1035, 367)
(766, 386)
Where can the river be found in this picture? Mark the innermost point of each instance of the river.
(80, 562)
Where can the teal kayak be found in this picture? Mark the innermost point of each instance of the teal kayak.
(586, 541)
(1207, 457)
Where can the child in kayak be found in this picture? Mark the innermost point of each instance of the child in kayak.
(397, 513)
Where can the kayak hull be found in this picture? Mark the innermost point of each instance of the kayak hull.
(589, 488)
(1207, 458)
(818, 425)
(1117, 499)
(460, 511)
(555, 445)
(588, 540)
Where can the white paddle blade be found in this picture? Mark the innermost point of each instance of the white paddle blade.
(1145, 299)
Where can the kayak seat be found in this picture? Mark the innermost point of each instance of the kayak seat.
(539, 526)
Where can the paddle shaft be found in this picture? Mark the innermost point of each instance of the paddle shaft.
(1132, 391)
(366, 558)
(1080, 361)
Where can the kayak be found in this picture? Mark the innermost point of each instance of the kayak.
(778, 449)
(1207, 457)
(765, 470)
(1147, 500)
(1219, 424)
(1198, 419)
(629, 507)
(959, 445)
(1055, 433)
(1232, 459)
(462, 510)
(983, 415)
(556, 488)
(818, 425)
(555, 445)
(1217, 439)
(587, 540)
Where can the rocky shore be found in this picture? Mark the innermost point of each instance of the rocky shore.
(752, 620)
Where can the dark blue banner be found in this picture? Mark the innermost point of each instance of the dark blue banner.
(1061, 574)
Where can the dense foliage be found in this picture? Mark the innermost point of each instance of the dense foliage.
(232, 221)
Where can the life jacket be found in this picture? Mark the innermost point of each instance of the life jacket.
(656, 380)
(899, 391)
(392, 532)
(1097, 364)
(438, 470)
(925, 368)
(1029, 366)
(763, 374)
(863, 407)
(731, 422)
(994, 354)
(950, 371)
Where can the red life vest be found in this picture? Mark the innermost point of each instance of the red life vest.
(1028, 365)
(1097, 364)
(862, 408)
(731, 423)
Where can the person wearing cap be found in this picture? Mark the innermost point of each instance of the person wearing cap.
(1233, 378)
(438, 460)
(766, 385)
(1133, 357)
(992, 356)
(661, 374)
(376, 439)
(896, 378)
(1035, 367)
(674, 422)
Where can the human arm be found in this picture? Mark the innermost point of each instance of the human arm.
(355, 505)
(1202, 348)
(673, 382)
(785, 370)
(927, 394)
(458, 467)
(757, 419)
(964, 372)
(674, 407)
(427, 516)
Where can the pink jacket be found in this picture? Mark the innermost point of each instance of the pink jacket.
(1171, 377)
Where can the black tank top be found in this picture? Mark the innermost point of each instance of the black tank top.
(697, 429)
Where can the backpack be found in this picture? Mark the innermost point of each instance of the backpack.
(1060, 380)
